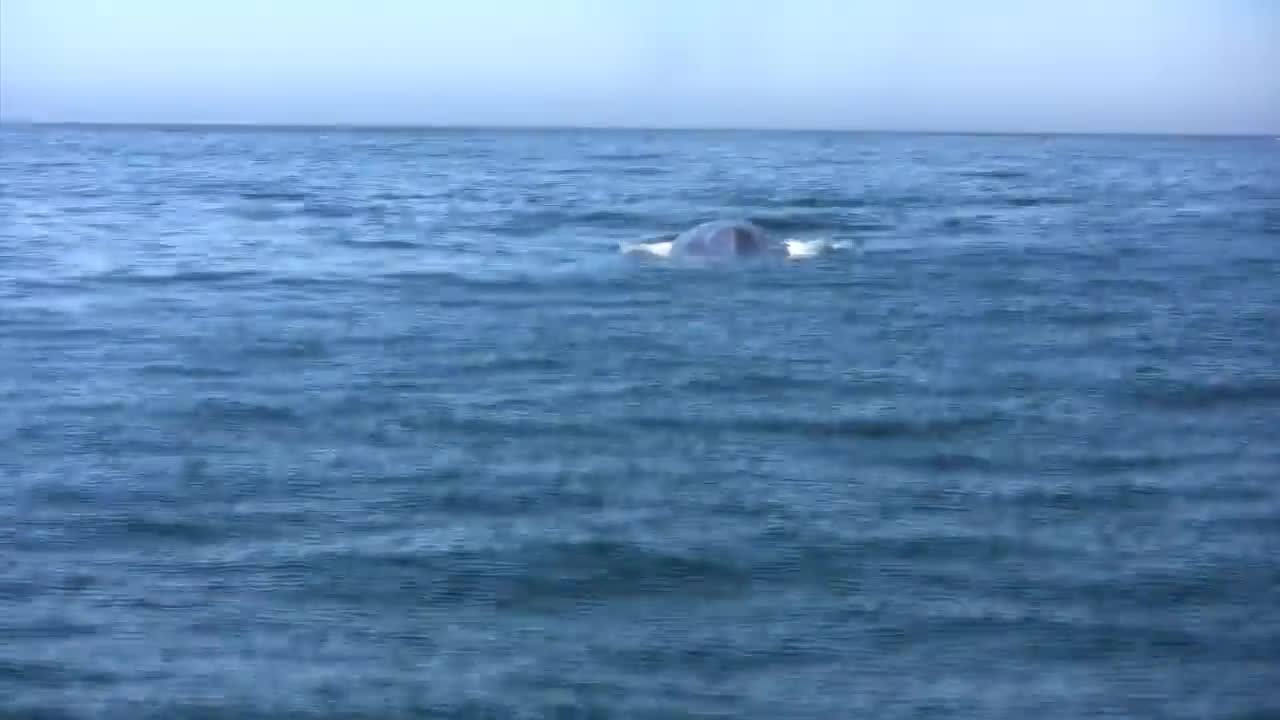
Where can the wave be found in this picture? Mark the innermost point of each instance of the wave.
(824, 201)
(278, 195)
(852, 427)
(1026, 201)
(801, 222)
(408, 196)
(995, 174)
(261, 213)
(645, 171)
(769, 199)
(185, 277)
(980, 224)
(188, 371)
(241, 413)
(379, 244)
(1193, 394)
(624, 156)
(333, 210)
(535, 574)
(530, 223)
(148, 528)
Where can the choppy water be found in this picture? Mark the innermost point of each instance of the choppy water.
(380, 424)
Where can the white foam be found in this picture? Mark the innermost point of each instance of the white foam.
(804, 248)
(796, 248)
(656, 249)
(812, 248)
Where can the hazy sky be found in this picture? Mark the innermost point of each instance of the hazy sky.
(1072, 65)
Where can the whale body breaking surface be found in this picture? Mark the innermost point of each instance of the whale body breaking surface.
(725, 239)
(722, 238)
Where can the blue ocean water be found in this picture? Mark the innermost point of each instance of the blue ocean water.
(338, 423)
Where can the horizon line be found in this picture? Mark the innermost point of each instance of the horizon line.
(406, 126)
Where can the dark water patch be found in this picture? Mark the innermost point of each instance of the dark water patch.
(1185, 586)
(625, 156)
(291, 196)
(585, 287)
(57, 329)
(802, 222)
(1031, 201)
(980, 224)
(1119, 494)
(1069, 639)
(35, 673)
(515, 362)
(287, 349)
(811, 427)
(790, 557)
(593, 571)
(1105, 462)
(490, 502)
(864, 226)
(615, 219)
(468, 152)
(525, 224)
(1266, 712)
(996, 174)
(1263, 525)
(181, 277)
(954, 461)
(782, 200)
(332, 210)
(1086, 316)
(642, 171)
(1191, 394)
(240, 413)
(260, 213)
(823, 201)
(24, 710)
(498, 426)
(1231, 487)
(50, 629)
(386, 244)
(60, 495)
(951, 549)
(283, 190)
(317, 282)
(905, 200)
(15, 590)
(304, 704)
(580, 303)
(1154, 289)
(186, 370)
(537, 222)
(148, 528)
(108, 435)
(401, 196)
(69, 287)
(53, 165)
(722, 657)
(441, 281)
(750, 382)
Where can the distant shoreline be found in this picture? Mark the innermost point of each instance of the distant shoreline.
(426, 127)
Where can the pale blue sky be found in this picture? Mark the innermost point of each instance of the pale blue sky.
(1021, 65)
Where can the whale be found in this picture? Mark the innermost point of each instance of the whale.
(727, 239)
(723, 239)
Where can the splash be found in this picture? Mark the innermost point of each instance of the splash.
(652, 249)
(796, 248)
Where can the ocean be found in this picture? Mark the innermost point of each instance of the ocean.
(381, 423)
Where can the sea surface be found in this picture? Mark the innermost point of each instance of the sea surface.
(343, 423)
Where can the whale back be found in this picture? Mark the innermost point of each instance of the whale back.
(721, 238)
